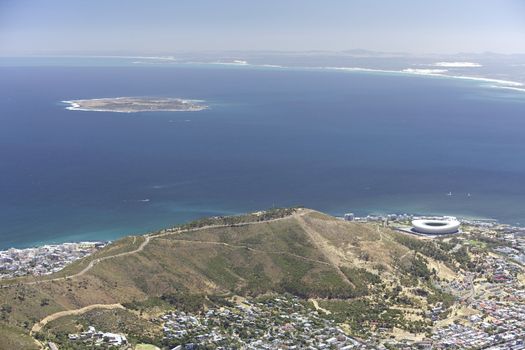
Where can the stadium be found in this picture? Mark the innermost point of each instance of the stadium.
(435, 227)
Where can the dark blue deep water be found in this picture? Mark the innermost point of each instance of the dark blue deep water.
(332, 141)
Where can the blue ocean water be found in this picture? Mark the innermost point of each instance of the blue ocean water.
(333, 141)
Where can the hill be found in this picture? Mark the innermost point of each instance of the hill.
(348, 267)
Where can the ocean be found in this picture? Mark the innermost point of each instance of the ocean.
(362, 142)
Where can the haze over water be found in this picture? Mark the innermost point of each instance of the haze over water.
(332, 141)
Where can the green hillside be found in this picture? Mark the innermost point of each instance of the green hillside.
(347, 266)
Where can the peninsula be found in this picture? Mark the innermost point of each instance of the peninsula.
(136, 104)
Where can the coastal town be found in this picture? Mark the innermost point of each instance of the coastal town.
(488, 311)
(268, 323)
(490, 302)
(43, 260)
(286, 322)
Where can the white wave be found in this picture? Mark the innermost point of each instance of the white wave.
(358, 69)
(457, 64)
(271, 66)
(424, 71)
(500, 82)
(233, 63)
(152, 62)
(96, 110)
(508, 84)
(243, 63)
(408, 71)
(73, 106)
(508, 88)
(156, 58)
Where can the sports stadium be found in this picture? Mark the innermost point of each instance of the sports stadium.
(436, 226)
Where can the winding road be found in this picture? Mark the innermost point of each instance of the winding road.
(92, 263)
(147, 239)
(39, 325)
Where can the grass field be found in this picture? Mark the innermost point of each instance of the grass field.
(146, 347)
(11, 338)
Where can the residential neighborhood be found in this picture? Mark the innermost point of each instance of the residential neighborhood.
(43, 260)
(97, 338)
(274, 323)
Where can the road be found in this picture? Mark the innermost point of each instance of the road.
(324, 248)
(148, 238)
(39, 325)
(92, 263)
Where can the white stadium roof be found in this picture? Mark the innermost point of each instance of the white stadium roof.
(436, 227)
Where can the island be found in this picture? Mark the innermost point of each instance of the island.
(136, 104)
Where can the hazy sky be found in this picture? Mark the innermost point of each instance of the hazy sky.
(164, 26)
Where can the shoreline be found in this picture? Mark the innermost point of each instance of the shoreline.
(501, 83)
(44, 259)
(438, 71)
(373, 216)
(167, 61)
(52, 258)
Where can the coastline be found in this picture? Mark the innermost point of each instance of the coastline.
(45, 259)
(372, 216)
(413, 72)
(439, 69)
(158, 61)
(51, 258)
(500, 83)
(439, 73)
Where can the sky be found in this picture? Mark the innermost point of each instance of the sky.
(112, 27)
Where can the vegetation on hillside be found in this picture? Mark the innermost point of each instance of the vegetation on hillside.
(362, 273)
(270, 214)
